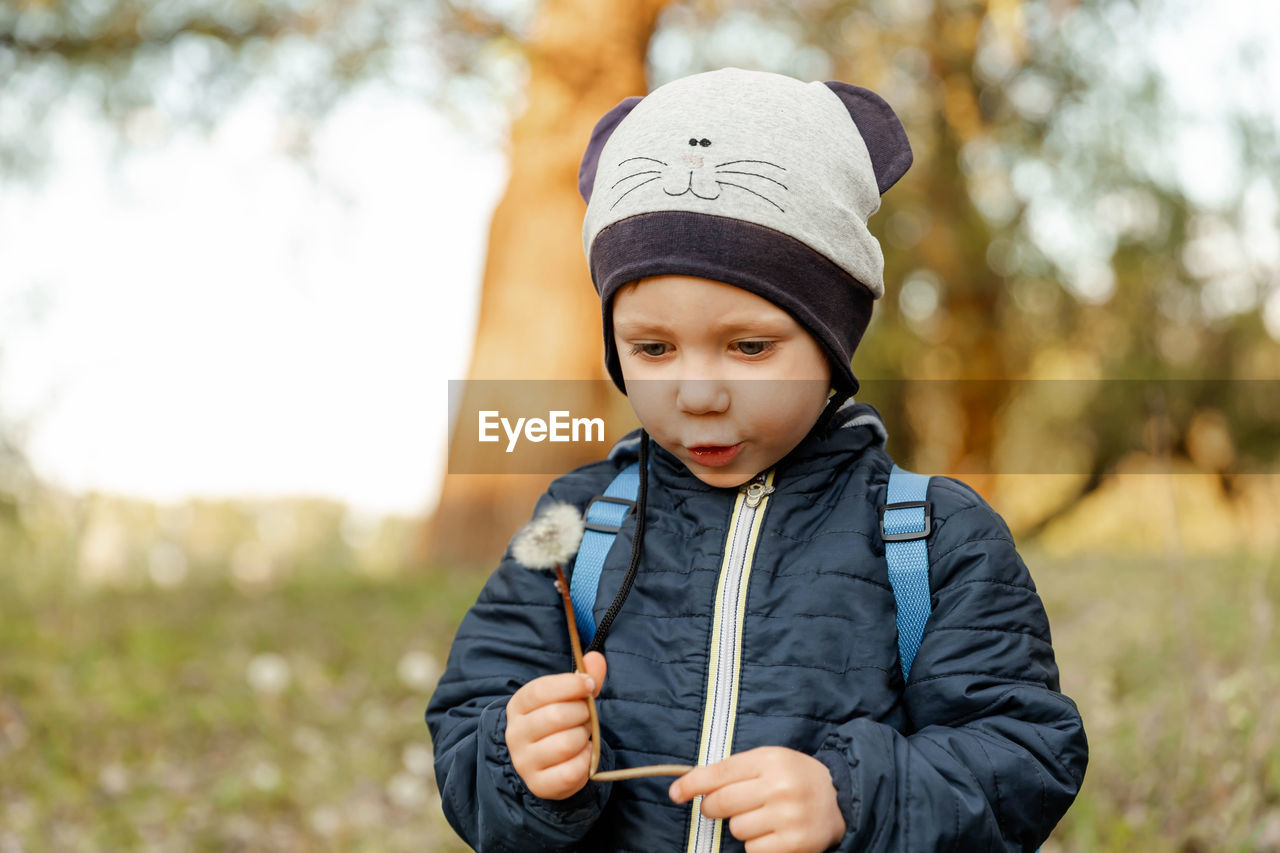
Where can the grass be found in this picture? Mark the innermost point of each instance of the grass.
(199, 718)
(206, 715)
(1176, 668)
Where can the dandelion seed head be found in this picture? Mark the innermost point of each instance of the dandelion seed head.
(268, 673)
(418, 670)
(418, 759)
(550, 539)
(326, 821)
(406, 790)
(265, 776)
(113, 779)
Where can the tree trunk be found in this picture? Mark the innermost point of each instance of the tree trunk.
(539, 315)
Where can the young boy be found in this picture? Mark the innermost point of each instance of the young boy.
(744, 609)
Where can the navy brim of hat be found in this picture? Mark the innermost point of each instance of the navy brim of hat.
(828, 302)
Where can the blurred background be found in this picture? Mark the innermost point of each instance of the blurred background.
(245, 245)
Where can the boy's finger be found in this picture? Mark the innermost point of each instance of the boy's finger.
(561, 780)
(734, 799)
(560, 687)
(709, 777)
(596, 668)
(556, 717)
(558, 748)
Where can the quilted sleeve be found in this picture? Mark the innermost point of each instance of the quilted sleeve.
(997, 753)
(514, 632)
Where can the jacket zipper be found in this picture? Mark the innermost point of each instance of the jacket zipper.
(723, 667)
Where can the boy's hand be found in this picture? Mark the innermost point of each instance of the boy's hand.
(777, 800)
(548, 733)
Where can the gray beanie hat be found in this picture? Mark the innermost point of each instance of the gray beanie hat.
(752, 179)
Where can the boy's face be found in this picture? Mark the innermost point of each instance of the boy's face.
(710, 364)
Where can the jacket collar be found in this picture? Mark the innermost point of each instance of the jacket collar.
(851, 429)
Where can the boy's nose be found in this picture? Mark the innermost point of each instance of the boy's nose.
(702, 396)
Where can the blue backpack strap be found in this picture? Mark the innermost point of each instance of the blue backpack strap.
(905, 522)
(604, 516)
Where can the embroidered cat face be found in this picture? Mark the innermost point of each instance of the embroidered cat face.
(705, 180)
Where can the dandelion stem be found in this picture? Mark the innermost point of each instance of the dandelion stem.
(641, 772)
(563, 585)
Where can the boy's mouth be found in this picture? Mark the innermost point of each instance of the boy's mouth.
(715, 454)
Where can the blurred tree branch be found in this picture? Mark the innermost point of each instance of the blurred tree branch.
(192, 63)
(124, 37)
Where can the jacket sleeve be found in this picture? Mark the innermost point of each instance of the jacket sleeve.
(514, 633)
(997, 753)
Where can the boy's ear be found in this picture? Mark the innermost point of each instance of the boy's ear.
(603, 130)
(881, 130)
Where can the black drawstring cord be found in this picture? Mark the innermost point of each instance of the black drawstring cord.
(833, 405)
(602, 630)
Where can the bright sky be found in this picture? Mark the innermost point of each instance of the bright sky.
(211, 323)
(205, 321)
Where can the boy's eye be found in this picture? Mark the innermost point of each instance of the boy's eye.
(657, 350)
(646, 349)
(755, 347)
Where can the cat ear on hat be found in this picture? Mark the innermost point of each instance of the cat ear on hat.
(599, 136)
(881, 130)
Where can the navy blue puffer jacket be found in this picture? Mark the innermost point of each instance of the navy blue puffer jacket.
(787, 640)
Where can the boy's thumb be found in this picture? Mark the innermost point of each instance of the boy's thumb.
(596, 668)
